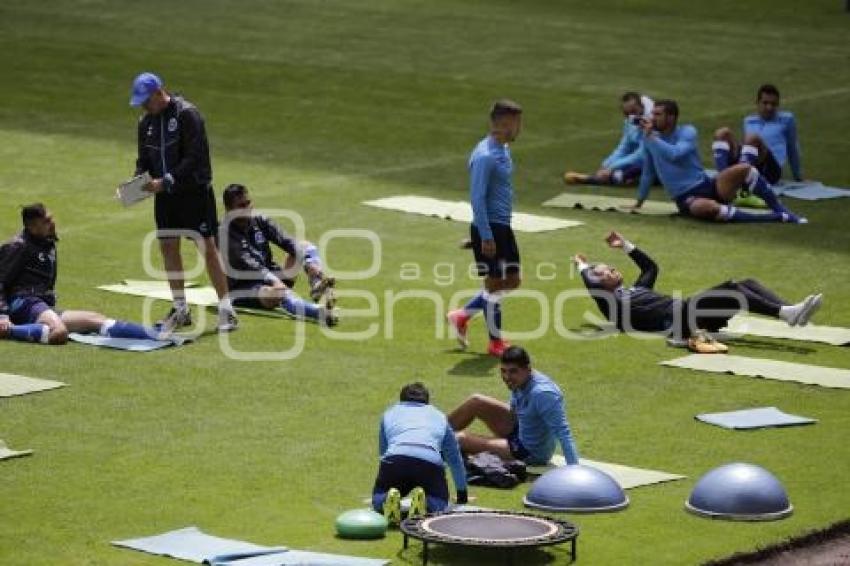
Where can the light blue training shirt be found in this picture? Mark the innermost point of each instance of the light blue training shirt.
(420, 430)
(780, 135)
(541, 414)
(490, 188)
(674, 159)
(628, 152)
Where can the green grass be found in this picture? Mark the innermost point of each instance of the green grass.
(317, 106)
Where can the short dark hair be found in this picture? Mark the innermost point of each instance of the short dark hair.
(671, 108)
(32, 212)
(516, 355)
(630, 95)
(504, 107)
(233, 192)
(415, 392)
(767, 89)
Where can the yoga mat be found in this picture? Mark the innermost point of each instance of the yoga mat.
(768, 369)
(809, 190)
(626, 476)
(6, 452)
(603, 202)
(771, 328)
(762, 417)
(11, 385)
(462, 212)
(193, 545)
(199, 296)
(128, 344)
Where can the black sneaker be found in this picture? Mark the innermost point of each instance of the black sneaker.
(322, 287)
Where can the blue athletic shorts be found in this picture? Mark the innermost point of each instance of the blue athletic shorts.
(707, 188)
(27, 309)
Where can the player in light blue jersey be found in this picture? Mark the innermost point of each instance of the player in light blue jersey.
(670, 154)
(623, 165)
(493, 243)
(529, 427)
(770, 140)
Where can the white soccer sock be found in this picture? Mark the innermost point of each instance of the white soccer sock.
(180, 304)
(107, 324)
(224, 304)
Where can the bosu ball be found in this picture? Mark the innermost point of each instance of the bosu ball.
(576, 489)
(361, 524)
(739, 492)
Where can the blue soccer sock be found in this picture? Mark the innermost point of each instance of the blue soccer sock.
(30, 333)
(298, 307)
(733, 214)
(749, 154)
(476, 303)
(124, 329)
(722, 155)
(494, 317)
(759, 187)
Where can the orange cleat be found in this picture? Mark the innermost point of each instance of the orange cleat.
(497, 347)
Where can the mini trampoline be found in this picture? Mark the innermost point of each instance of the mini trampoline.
(490, 529)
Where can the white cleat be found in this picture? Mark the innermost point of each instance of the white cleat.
(810, 307)
(227, 321)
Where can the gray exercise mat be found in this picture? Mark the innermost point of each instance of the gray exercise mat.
(772, 328)
(809, 190)
(604, 202)
(193, 545)
(127, 344)
(7, 453)
(761, 367)
(746, 419)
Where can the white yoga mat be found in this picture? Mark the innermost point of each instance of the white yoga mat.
(626, 476)
(772, 328)
(604, 202)
(746, 419)
(6, 452)
(128, 344)
(11, 385)
(461, 211)
(768, 369)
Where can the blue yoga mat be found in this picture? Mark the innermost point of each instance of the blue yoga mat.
(745, 419)
(809, 190)
(128, 344)
(193, 545)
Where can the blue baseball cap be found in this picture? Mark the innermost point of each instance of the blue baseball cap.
(144, 86)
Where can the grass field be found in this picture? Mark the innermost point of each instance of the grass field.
(317, 106)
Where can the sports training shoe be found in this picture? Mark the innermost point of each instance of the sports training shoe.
(227, 321)
(810, 307)
(466, 244)
(328, 316)
(392, 507)
(702, 343)
(573, 178)
(418, 503)
(677, 342)
(497, 347)
(321, 287)
(792, 218)
(459, 321)
(176, 318)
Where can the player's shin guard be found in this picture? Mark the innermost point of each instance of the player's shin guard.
(749, 154)
(30, 333)
(730, 213)
(759, 187)
(722, 155)
(298, 307)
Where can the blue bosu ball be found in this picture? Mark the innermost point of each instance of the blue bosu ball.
(738, 491)
(576, 489)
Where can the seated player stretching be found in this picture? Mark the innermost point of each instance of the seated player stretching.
(670, 154)
(527, 428)
(414, 440)
(255, 279)
(28, 271)
(639, 307)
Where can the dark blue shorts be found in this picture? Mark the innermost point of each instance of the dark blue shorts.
(518, 451)
(506, 259)
(405, 473)
(707, 188)
(27, 309)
